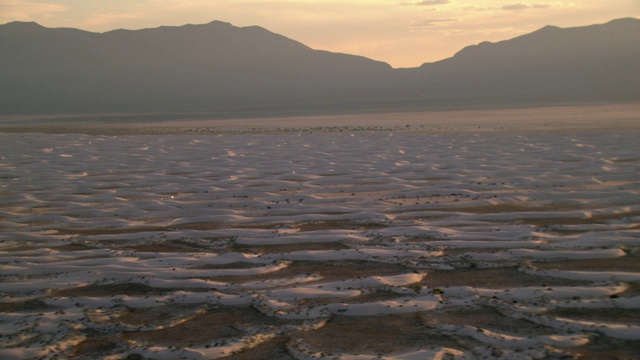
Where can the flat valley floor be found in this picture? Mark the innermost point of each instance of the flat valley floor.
(497, 234)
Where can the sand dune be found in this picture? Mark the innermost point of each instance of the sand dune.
(309, 244)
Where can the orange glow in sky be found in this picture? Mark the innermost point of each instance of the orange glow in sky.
(403, 33)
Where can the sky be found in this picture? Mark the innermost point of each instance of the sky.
(403, 33)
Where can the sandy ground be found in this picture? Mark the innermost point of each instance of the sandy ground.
(509, 234)
(573, 118)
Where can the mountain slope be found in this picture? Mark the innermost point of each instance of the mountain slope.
(222, 68)
(193, 67)
(592, 63)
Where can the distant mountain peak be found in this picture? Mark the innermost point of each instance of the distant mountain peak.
(220, 23)
(549, 28)
(625, 21)
(23, 23)
(23, 26)
(222, 67)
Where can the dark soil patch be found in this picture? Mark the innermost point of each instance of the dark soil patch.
(275, 349)
(218, 323)
(484, 317)
(495, 278)
(626, 263)
(606, 348)
(155, 316)
(375, 335)
(94, 347)
(328, 270)
(172, 247)
(286, 248)
(373, 296)
(596, 219)
(235, 265)
(27, 306)
(73, 247)
(106, 290)
(625, 316)
(338, 225)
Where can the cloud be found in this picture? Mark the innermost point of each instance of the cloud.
(521, 6)
(27, 11)
(428, 2)
(431, 23)
(110, 18)
(515, 7)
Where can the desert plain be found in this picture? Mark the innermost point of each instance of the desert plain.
(497, 234)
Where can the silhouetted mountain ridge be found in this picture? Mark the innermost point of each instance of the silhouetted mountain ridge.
(591, 63)
(221, 67)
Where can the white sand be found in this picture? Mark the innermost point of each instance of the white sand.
(264, 219)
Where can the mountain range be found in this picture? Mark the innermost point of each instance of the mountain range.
(220, 68)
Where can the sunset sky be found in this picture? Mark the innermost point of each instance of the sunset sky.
(404, 33)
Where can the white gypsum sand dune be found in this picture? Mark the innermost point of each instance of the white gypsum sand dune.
(389, 240)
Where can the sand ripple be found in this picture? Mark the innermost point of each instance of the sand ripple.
(299, 246)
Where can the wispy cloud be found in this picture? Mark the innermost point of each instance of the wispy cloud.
(27, 11)
(521, 6)
(110, 18)
(427, 2)
(431, 23)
